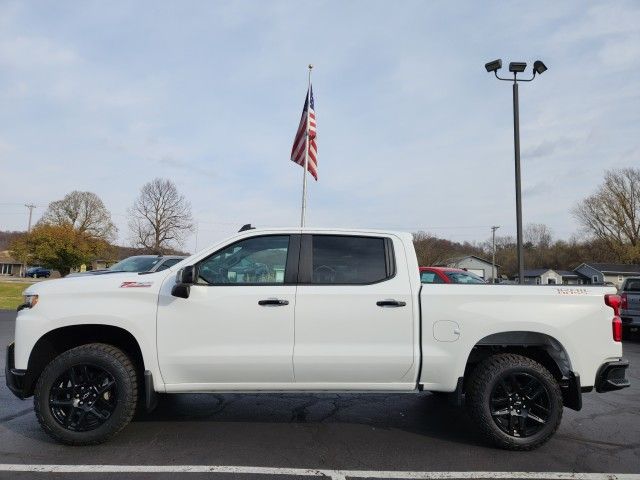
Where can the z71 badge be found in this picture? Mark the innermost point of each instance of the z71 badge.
(135, 284)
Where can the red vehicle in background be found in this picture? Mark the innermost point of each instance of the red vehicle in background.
(448, 275)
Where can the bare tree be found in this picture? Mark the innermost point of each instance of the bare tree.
(160, 218)
(538, 235)
(612, 213)
(85, 212)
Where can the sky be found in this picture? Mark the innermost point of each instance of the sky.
(413, 133)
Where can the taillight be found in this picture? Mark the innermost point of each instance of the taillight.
(615, 301)
(616, 325)
(623, 301)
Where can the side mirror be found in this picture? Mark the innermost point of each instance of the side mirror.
(187, 275)
(184, 279)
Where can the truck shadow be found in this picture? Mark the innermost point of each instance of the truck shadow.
(424, 414)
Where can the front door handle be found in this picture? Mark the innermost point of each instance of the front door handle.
(390, 303)
(273, 302)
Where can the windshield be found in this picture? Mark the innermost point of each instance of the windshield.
(464, 277)
(135, 264)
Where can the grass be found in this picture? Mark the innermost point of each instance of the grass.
(11, 294)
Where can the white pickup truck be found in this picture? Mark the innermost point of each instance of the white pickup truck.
(310, 310)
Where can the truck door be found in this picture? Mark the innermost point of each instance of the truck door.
(354, 314)
(236, 327)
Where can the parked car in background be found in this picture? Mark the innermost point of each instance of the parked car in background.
(137, 263)
(448, 275)
(630, 304)
(38, 272)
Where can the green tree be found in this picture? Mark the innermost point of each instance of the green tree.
(59, 247)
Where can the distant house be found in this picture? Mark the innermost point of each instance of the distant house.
(549, 276)
(600, 273)
(570, 278)
(542, 276)
(473, 264)
(9, 266)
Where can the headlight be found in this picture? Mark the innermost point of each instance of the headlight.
(30, 301)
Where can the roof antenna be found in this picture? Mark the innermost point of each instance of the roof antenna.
(246, 227)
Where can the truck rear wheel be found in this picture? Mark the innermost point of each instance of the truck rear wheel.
(87, 394)
(515, 400)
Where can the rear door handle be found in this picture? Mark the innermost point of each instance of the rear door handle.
(390, 303)
(273, 302)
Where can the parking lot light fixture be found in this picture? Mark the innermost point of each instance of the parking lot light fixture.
(517, 67)
(539, 67)
(493, 66)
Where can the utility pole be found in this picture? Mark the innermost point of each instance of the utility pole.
(30, 206)
(493, 255)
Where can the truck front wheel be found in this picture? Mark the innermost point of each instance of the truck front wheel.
(86, 394)
(515, 400)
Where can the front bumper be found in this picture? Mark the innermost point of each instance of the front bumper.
(612, 376)
(14, 377)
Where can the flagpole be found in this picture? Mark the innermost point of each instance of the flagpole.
(306, 153)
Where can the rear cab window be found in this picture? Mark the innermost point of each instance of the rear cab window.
(632, 285)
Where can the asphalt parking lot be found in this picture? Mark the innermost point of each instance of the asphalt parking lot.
(346, 435)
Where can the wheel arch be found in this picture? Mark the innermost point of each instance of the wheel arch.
(542, 348)
(61, 339)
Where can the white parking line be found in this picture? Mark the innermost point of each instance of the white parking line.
(333, 474)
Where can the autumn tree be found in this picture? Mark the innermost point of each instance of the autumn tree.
(85, 212)
(59, 247)
(612, 213)
(432, 250)
(160, 218)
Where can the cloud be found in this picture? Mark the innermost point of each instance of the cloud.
(184, 165)
(412, 132)
(29, 53)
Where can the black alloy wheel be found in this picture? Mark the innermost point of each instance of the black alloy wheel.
(520, 404)
(87, 394)
(83, 397)
(516, 401)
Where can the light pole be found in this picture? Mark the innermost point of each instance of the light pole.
(515, 68)
(493, 255)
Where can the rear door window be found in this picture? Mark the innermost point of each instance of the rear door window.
(350, 260)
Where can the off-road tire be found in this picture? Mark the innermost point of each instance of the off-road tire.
(482, 382)
(107, 357)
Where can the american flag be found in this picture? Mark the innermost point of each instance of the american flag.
(297, 152)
